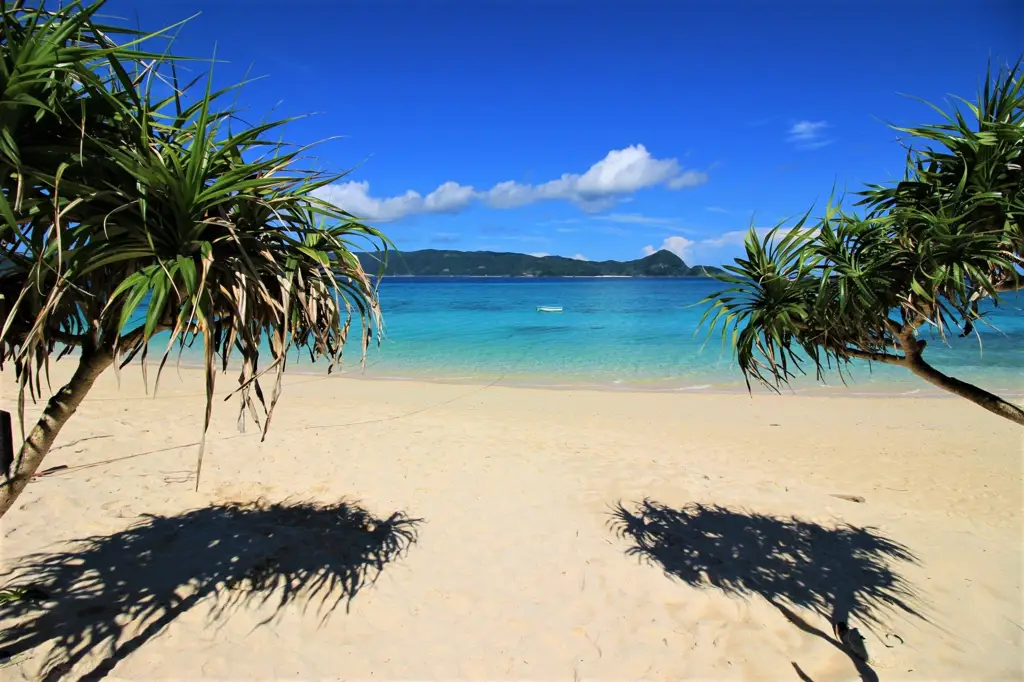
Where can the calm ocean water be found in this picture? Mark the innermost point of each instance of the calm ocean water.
(628, 333)
(615, 333)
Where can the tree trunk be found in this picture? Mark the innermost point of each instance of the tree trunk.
(58, 411)
(978, 396)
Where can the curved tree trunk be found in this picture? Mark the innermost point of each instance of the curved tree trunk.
(58, 411)
(978, 396)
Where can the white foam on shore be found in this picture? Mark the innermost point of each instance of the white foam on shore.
(869, 389)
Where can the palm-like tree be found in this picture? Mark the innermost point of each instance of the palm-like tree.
(925, 253)
(126, 215)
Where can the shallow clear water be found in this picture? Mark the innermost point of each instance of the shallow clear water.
(628, 333)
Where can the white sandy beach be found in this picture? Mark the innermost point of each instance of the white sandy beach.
(519, 571)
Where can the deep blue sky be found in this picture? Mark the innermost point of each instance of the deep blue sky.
(716, 109)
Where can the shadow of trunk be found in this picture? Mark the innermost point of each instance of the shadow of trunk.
(867, 674)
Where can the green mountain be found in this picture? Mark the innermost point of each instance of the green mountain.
(442, 263)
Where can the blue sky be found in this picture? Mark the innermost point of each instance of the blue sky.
(594, 129)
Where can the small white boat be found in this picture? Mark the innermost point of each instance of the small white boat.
(549, 309)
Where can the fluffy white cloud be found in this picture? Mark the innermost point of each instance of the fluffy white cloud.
(681, 246)
(621, 172)
(449, 197)
(710, 250)
(355, 198)
(809, 134)
(579, 256)
(540, 254)
(509, 194)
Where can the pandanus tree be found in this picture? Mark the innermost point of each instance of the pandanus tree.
(925, 253)
(134, 206)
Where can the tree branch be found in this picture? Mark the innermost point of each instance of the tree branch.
(976, 395)
(887, 358)
(67, 339)
(17, 338)
(129, 339)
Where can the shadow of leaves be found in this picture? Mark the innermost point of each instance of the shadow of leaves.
(111, 594)
(836, 572)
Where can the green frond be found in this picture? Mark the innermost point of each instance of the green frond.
(125, 216)
(925, 251)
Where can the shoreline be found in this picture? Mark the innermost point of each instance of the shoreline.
(911, 388)
(908, 387)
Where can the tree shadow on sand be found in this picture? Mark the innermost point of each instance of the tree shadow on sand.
(839, 573)
(109, 595)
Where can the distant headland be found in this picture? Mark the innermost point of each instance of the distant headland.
(445, 263)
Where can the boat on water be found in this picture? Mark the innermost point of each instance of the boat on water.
(549, 309)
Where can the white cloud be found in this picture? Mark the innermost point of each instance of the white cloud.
(809, 134)
(637, 219)
(681, 246)
(807, 130)
(355, 198)
(509, 194)
(738, 237)
(731, 238)
(709, 250)
(540, 254)
(688, 179)
(620, 173)
(451, 196)
(579, 256)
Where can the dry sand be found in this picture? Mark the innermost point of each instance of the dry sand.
(520, 569)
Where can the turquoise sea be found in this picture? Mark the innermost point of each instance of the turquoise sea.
(614, 333)
(619, 333)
